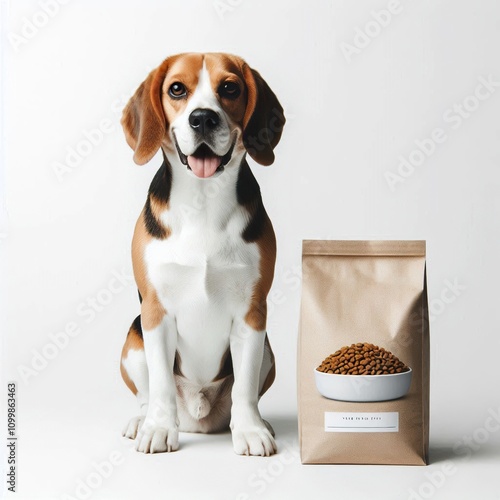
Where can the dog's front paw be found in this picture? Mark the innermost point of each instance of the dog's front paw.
(254, 440)
(154, 438)
(131, 429)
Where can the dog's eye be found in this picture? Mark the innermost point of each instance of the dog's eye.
(229, 90)
(177, 89)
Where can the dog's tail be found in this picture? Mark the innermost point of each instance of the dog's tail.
(198, 406)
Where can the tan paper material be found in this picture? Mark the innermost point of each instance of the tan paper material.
(364, 291)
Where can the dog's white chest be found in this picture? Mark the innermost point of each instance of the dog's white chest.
(193, 267)
(204, 275)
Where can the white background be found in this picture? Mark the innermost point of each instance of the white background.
(348, 123)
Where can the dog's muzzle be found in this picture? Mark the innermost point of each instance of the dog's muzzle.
(204, 162)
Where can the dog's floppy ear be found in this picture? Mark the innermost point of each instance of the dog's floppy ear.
(264, 120)
(143, 119)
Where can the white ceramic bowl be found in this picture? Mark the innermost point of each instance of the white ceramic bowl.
(363, 388)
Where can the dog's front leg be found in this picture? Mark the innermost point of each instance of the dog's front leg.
(250, 433)
(159, 431)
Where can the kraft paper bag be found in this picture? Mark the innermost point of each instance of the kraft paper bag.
(364, 292)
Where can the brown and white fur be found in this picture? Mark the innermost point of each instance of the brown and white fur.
(198, 358)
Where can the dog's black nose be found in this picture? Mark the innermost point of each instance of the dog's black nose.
(203, 120)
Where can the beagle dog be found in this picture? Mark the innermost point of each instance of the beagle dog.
(198, 357)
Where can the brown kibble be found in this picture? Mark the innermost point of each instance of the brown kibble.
(362, 359)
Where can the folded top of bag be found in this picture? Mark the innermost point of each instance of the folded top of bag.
(411, 248)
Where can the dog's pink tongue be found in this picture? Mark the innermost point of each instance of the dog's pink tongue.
(204, 167)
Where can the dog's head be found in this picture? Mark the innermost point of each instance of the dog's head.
(205, 111)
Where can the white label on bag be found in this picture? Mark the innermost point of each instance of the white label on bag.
(385, 421)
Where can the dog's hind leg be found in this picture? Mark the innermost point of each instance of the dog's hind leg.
(134, 372)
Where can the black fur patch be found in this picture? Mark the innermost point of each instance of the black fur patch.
(255, 226)
(248, 195)
(159, 190)
(136, 326)
(162, 182)
(153, 226)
